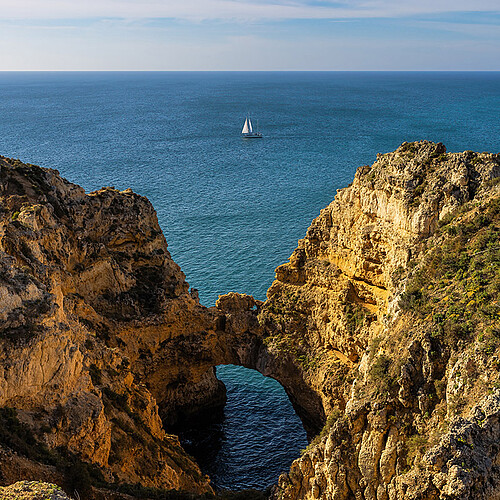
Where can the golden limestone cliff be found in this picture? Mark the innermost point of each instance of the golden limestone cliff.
(100, 338)
(390, 307)
(77, 272)
(102, 344)
(383, 328)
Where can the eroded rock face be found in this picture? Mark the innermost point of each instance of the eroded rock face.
(103, 346)
(82, 278)
(371, 308)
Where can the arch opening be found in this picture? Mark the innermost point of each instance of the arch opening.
(250, 441)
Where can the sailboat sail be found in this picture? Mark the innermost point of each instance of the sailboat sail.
(245, 127)
(248, 132)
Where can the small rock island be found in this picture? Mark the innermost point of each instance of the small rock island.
(383, 328)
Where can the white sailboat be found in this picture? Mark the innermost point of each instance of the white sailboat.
(248, 132)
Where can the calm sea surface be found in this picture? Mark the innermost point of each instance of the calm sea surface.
(233, 210)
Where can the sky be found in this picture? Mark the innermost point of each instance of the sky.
(298, 35)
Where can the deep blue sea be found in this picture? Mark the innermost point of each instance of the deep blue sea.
(231, 209)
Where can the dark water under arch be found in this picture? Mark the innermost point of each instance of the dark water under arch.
(255, 437)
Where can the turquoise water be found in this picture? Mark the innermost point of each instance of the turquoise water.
(232, 210)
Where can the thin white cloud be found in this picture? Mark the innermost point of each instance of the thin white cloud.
(320, 53)
(485, 31)
(240, 10)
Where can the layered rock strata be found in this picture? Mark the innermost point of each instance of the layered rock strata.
(390, 307)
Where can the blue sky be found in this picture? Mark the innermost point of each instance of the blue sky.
(249, 35)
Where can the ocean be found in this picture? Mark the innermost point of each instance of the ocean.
(232, 210)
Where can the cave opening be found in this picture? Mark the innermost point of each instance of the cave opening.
(249, 442)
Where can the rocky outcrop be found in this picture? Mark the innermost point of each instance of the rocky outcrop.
(32, 490)
(84, 277)
(389, 306)
(102, 344)
(382, 328)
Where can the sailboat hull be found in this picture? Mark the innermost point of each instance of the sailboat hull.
(252, 135)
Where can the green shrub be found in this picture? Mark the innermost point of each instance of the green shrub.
(355, 315)
(416, 445)
(458, 282)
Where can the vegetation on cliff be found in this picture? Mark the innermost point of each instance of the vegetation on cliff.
(397, 284)
(457, 285)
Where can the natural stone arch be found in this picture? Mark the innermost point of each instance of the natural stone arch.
(179, 370)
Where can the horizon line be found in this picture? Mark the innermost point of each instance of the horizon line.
(249, 70)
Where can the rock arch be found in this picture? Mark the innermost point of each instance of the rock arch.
(178, 367)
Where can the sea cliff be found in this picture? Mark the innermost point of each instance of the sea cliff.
(78, 271)
(383, 328)
(390, 306)
(102, 344)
